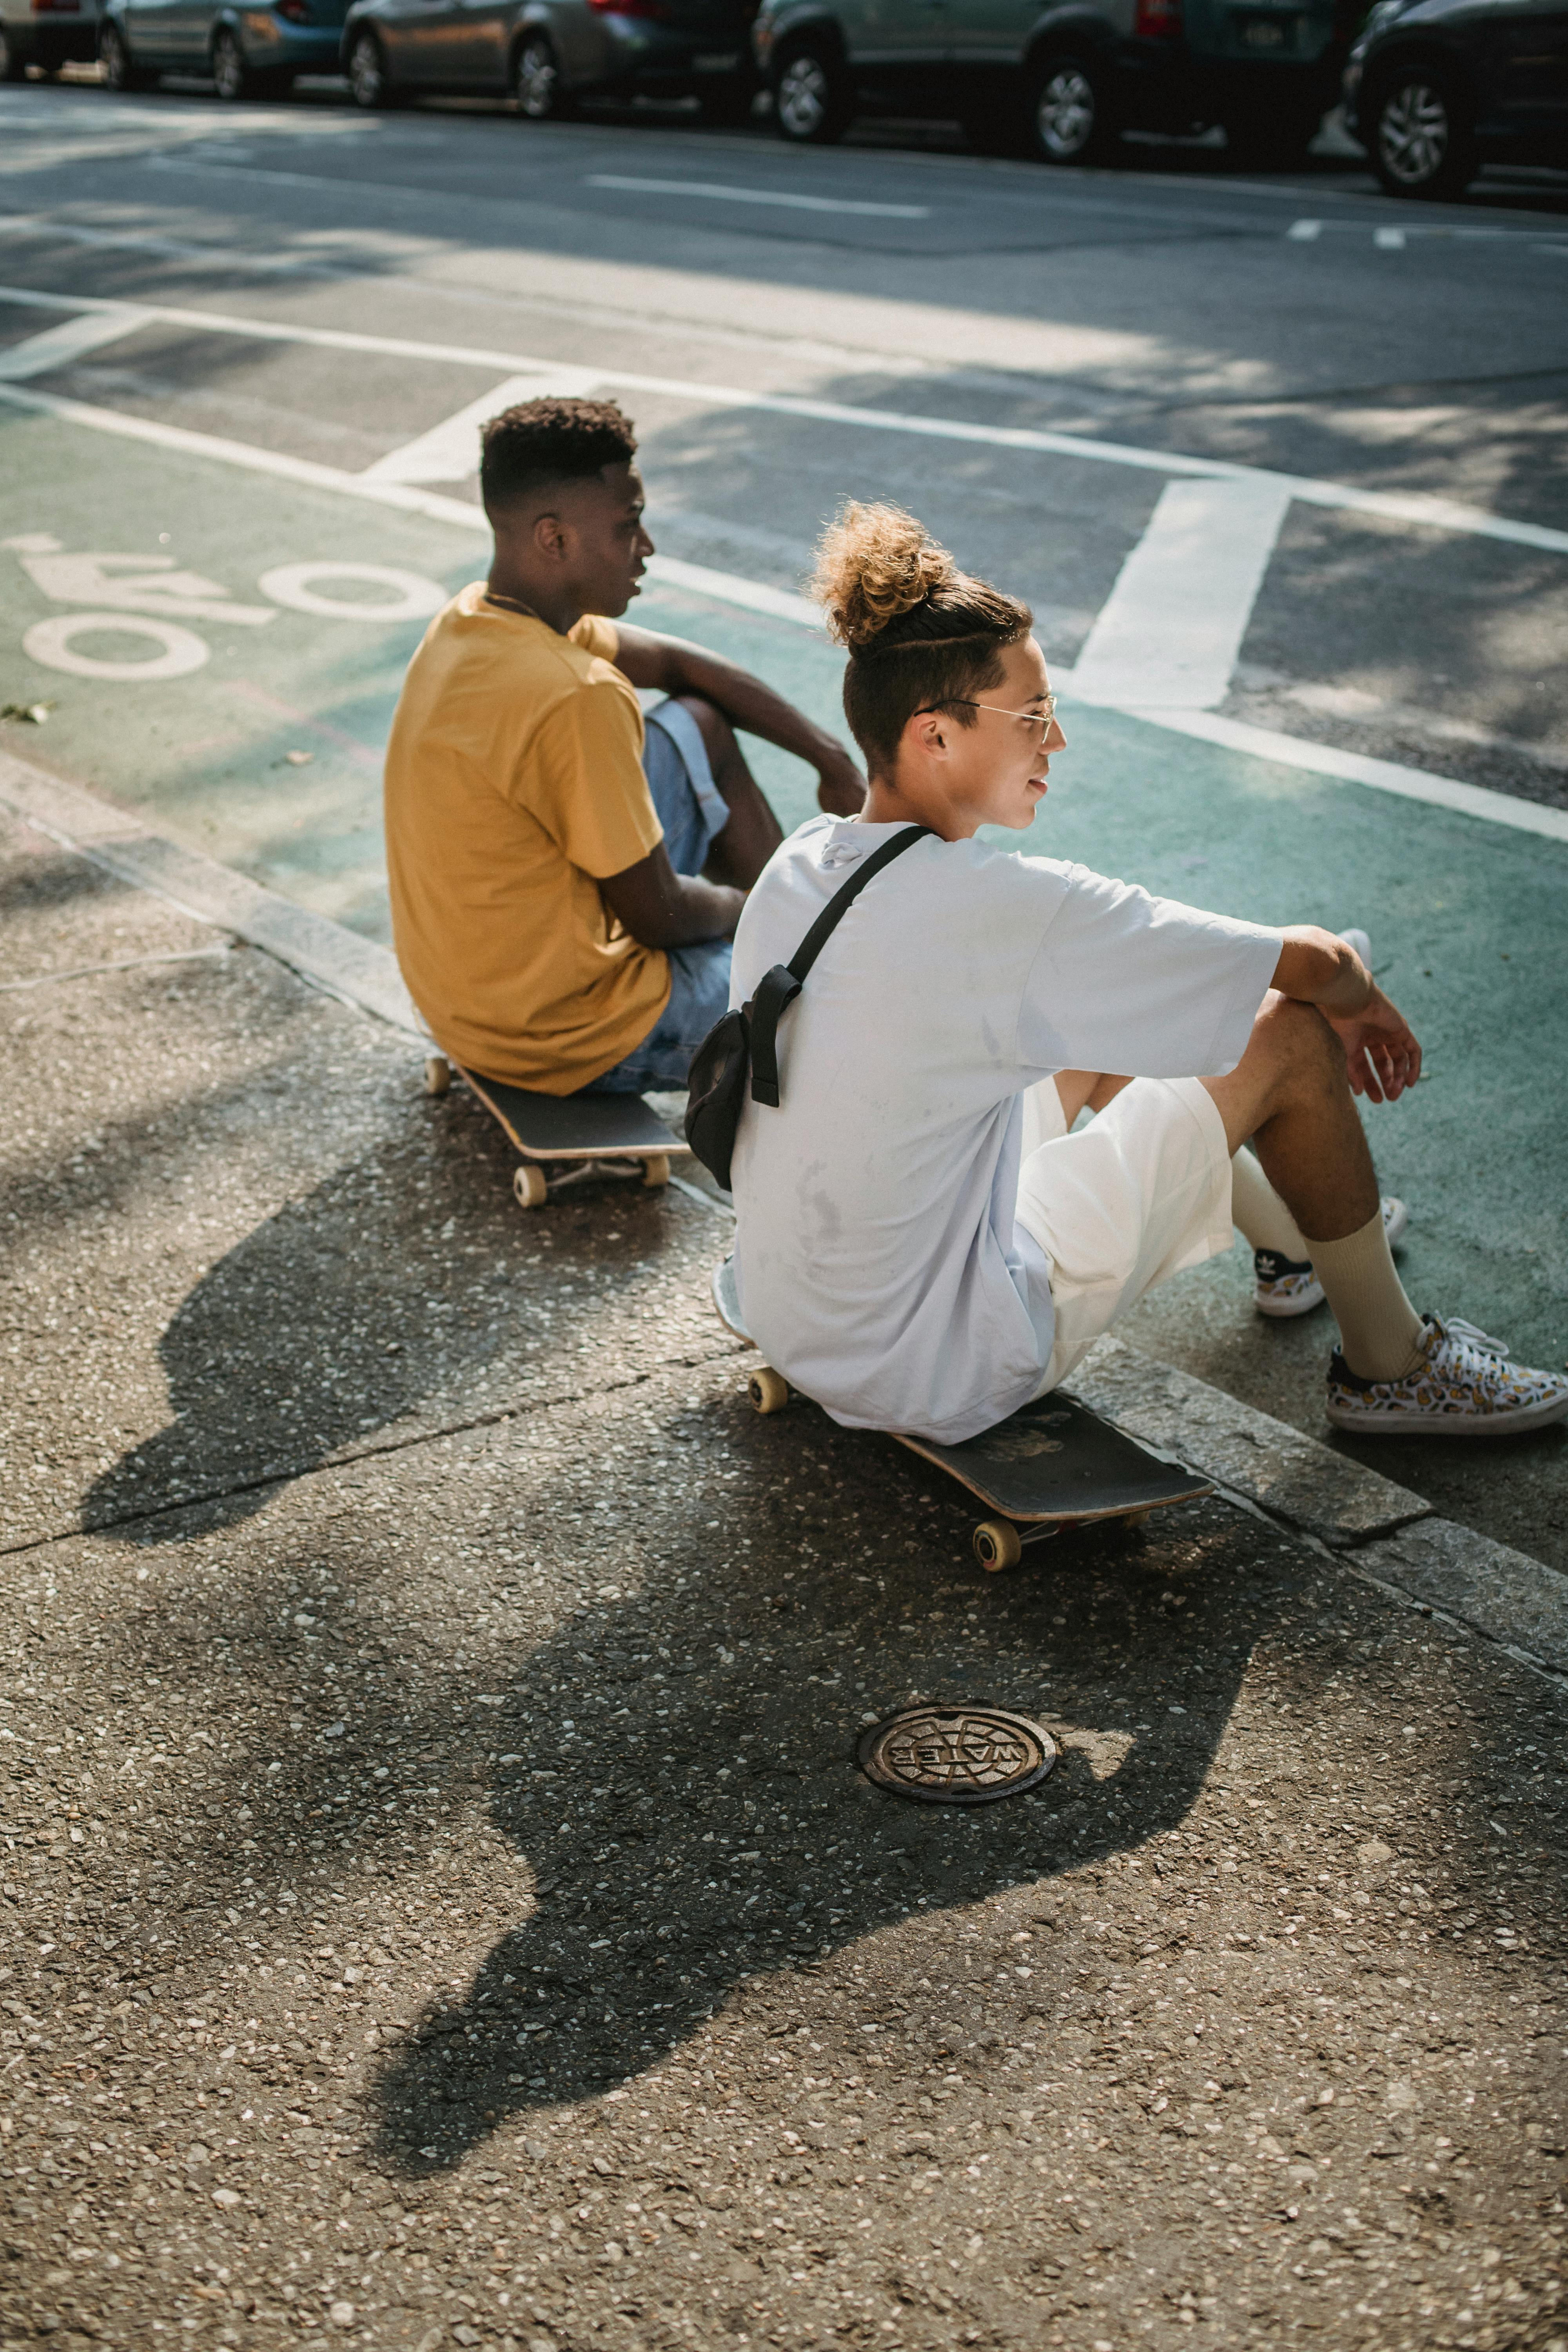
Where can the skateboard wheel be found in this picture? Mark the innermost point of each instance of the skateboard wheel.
(768, 1389)
(1136, 1518)
(996, 1544)
(437, 1074)
(655, 1170)
(527, 1183)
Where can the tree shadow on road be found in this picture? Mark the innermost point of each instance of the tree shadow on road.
(692, 1831)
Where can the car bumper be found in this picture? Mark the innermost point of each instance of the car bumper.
(271, 42)
(55, 39)
(673, 57)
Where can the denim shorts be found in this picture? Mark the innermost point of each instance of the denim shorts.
(691, 809)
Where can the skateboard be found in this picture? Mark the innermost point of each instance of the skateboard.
(1051, 1465)
(578, 1137)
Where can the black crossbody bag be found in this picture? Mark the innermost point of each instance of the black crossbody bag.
(747, 1041)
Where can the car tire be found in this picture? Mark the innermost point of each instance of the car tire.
(537, 90)
(370, 84)
(230, 71)
(1419, 133)
(813, 101)
(120, 69)
(1071, 118)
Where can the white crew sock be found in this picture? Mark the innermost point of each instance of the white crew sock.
(1261, 1215)
(1380, 1331)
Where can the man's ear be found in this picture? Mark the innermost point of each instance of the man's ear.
(549, 537)
(926, 733)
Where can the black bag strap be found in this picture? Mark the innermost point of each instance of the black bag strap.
(781, 986)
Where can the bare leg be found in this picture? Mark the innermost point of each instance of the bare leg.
(1290, 1094)
(744, 847)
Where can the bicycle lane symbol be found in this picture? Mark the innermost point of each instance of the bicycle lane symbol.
(149, 596)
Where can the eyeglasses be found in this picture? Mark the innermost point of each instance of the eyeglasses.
(1043, 719)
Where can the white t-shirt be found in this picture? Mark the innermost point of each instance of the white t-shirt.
(876, 1256)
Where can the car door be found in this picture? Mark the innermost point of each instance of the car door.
(473, 43)
(982, 32)
(149, 30)
(898, 36)
(1530, 71)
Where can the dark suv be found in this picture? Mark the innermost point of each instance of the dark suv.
(1066, 76)
(1435, 88)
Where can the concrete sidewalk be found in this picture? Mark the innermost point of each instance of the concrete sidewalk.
(440, 1907)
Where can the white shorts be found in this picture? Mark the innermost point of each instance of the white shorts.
(1118, 1208)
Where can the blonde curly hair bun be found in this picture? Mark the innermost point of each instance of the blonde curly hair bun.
(874, 563)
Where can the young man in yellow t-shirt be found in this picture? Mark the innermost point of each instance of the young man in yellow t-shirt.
(565, 885)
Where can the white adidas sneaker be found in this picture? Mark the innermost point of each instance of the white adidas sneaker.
(1285, 1287)
(1468, 1386)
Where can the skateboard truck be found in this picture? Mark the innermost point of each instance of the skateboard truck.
(567, 1140)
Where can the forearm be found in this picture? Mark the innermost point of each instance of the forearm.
(694, 911)
(1316, 968)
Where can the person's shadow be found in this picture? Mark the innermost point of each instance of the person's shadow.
(684, 1784)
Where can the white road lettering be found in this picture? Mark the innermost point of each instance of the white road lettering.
(52, 644)
(412, 598)
(140, 583)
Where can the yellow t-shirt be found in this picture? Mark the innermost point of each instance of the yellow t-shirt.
(514, 783)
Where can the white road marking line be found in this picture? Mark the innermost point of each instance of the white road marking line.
(1289, 751)
(58, 346)
(1389, 240)
(755, 196)
(120, 963)
(1356, 767)
(1169, 634)
(449, 452)
(1410, 506)
(1305, 232)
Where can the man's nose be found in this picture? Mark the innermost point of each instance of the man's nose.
(1055, 740)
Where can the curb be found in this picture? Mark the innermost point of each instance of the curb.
(1377, 1530)
(320, 950)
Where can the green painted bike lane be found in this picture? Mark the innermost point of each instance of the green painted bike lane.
(1468, 920)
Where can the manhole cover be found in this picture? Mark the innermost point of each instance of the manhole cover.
(957, 1755)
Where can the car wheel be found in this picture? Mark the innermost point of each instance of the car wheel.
(1071, 115)
(812, 103)
(1421, 140)
(230, 71)
(120, 71)
(536, 82)
(370, 85)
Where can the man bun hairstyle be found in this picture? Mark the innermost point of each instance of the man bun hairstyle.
(921, 634)
(526, 449)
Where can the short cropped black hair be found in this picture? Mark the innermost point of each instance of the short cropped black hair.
(543, 441)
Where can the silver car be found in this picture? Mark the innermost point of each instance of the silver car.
(547, 54)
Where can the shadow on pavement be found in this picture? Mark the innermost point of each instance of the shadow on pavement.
(681, 1852)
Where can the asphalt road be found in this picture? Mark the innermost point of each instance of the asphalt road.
(237, 346)
(438, 1907)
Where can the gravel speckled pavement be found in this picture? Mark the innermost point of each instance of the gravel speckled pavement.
(439, 1907)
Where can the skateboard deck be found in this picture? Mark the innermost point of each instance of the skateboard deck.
(1052, 1463)
(584, 1135)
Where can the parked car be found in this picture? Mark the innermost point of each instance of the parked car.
(248, 51)
(46, 33)
(547, 54)
(1434, 88)
(1065, 77)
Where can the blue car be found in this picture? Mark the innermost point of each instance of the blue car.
(248, 52)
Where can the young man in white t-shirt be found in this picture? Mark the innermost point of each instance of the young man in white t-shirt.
(921, 1243)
